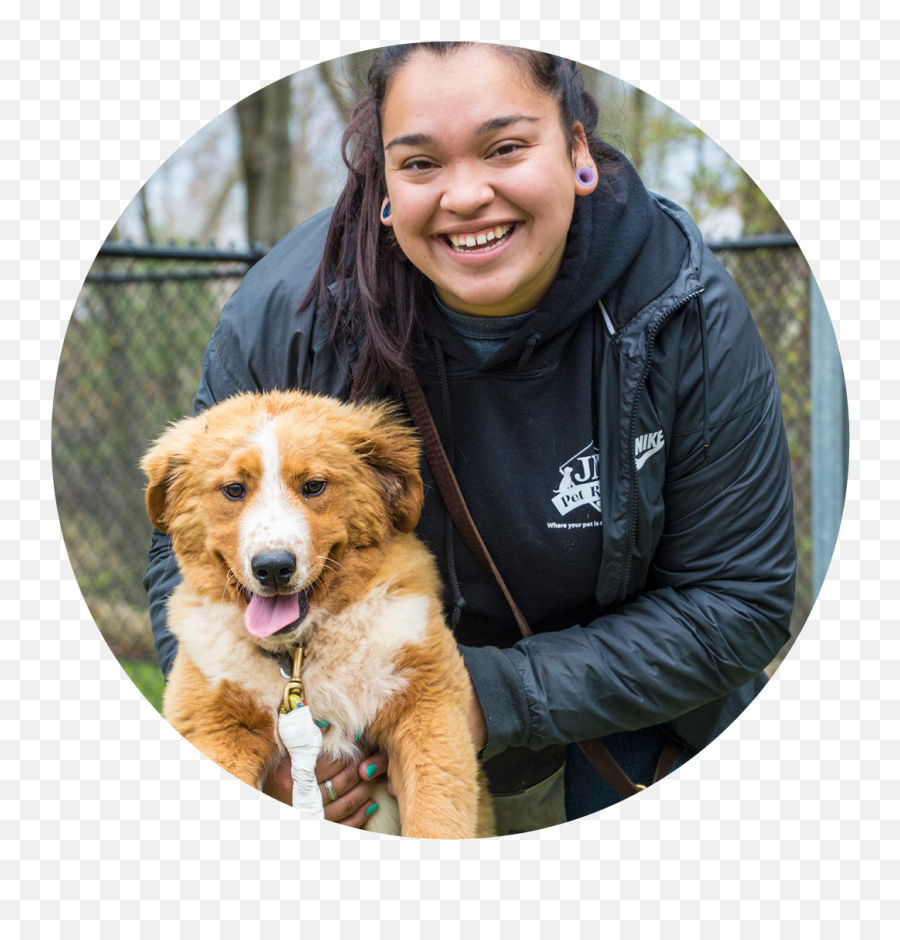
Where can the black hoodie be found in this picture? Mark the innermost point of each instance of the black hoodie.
(522, 434)
(624, 458)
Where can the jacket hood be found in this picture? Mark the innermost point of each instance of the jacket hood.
(607, 232)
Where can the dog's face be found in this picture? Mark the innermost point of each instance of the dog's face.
(278, 501)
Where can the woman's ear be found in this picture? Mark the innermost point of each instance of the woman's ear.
(386, 213)
(583, 163)
(581, 151)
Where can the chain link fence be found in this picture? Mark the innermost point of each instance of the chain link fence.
(131, 362)
(130, 365)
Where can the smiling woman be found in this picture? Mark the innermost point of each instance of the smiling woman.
(471, 154)
(601, 393)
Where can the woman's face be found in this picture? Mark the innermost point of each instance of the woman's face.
(480, 179)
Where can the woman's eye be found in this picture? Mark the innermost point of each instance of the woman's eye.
(419, 165)
(234, 490)
(313, 487)
(504, 150)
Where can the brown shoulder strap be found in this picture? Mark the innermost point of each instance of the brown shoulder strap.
(450, 491)
(604, 763)
(671, 751)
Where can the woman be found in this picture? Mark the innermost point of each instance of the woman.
(597, 380)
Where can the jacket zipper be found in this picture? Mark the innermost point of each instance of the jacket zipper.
(631, 530)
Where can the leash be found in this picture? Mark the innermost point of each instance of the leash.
(593, 749)
(293, 689)
(302, 739)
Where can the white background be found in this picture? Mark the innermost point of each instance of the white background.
(113, 826)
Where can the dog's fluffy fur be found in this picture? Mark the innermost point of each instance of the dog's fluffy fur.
(380, 659)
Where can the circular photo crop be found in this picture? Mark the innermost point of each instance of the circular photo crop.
(466, 424)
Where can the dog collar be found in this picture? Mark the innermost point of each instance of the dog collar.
(283, 660)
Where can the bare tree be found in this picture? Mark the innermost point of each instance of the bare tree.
(345, 79)
(145, 215)
(336, 90)
(264, 119)
(216, 207)
(638, 128)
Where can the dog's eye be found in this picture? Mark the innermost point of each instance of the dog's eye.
(313, 487)
(234, 490)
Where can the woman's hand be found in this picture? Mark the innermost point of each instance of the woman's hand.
(353, 783)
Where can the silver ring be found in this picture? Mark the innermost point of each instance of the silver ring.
(329, 789)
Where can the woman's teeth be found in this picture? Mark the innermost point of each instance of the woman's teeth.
(483, 240)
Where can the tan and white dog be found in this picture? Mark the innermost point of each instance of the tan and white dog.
(291, 518)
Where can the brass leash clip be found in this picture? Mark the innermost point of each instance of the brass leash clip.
(293, 689)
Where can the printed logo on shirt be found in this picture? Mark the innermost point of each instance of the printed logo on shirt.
(580, 483)
(646, 445)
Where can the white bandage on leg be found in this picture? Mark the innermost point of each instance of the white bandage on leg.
(303, 741)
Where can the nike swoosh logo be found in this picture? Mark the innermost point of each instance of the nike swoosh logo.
(640, 461)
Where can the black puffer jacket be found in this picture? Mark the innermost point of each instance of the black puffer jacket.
(694, 591)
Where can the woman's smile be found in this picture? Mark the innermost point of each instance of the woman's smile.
(479, 246)
(480, 178)
(483, 240)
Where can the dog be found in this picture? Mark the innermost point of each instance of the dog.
(291, 517)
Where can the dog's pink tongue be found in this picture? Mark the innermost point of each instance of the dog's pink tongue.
(267, 615)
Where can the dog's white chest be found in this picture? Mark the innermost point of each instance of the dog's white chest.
(350, 671)
(352, 667)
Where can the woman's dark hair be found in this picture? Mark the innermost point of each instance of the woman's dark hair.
(369, 292)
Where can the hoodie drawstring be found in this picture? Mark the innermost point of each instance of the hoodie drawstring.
(455, 593)
(530, 343)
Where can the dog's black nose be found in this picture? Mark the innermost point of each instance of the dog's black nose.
(274, 569)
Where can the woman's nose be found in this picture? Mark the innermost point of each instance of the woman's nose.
(467, 190)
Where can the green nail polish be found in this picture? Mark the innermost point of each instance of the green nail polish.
(323, 724)
(371, 770)
(371, 809)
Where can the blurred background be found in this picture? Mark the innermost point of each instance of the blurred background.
(132, 353)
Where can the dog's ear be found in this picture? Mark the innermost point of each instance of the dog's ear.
(391, 449)
(161, 464)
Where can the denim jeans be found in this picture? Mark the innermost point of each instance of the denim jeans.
(637, 752)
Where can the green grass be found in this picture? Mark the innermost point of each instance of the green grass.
(148, 678)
